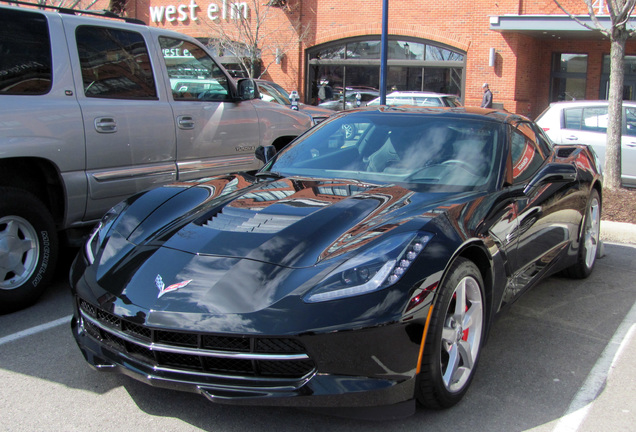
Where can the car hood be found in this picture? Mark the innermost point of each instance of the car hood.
(236, 245)
(290, 222)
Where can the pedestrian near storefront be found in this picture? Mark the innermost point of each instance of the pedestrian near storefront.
(486, 101)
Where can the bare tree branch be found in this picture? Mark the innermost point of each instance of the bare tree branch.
(592, 14)
(258, 36)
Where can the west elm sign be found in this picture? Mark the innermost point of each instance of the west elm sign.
(184, 12)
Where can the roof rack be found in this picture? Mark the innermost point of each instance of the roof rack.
(101, 13)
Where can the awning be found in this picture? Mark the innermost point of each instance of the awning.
(550, 26)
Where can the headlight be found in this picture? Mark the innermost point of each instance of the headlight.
(377, 268)
(101, 229)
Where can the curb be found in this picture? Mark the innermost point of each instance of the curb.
(618, 232)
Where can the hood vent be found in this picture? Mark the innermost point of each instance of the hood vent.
(233, 219)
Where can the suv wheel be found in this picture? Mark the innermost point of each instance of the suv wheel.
(28, 249)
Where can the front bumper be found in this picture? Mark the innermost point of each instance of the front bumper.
(360, 375)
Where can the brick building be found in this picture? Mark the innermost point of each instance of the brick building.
(529, 51)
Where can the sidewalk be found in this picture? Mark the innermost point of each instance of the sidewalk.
(618, 232)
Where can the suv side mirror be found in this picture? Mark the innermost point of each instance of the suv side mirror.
(265, 154)
(247, 89)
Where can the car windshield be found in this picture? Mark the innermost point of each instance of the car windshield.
(439, 153)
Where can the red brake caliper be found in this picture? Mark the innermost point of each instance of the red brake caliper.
(465, 334)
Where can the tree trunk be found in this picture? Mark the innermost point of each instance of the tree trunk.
(612, 174)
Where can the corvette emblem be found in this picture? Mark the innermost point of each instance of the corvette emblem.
(162, 286)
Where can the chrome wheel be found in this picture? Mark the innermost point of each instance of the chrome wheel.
(453, 341)
(592, 232)
(461, 335)
(19, 251)
(589, 240)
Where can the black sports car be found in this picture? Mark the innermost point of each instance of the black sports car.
(353, 270)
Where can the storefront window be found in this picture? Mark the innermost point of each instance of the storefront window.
(353, 66)
(438, 53)
(629, 78)
(569, 74)
(363, 50)
(408, 50)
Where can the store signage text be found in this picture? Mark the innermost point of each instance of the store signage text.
(184, 12)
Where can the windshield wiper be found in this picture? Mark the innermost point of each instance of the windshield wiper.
(269, 174)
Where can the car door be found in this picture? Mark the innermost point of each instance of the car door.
(584, 125)
(130, 142)
(544, 227)
(215, 132)
(628, 147)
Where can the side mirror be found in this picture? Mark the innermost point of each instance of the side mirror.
(247, 89)
(265, 154)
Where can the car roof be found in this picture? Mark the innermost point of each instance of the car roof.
(419, 93)
(586, 103)
(487, 114)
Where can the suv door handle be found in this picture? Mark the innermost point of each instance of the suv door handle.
(185, 122)
(572, 138)
(105, 125)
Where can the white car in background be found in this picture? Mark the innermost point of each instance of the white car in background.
(419, 98)
(585, 122)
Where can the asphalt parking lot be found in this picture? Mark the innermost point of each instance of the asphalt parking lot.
(543, 369)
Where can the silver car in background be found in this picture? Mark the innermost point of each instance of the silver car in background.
(585, 122)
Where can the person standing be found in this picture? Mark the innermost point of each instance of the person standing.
(486, 101)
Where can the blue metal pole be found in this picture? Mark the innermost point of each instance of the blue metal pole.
(383, 50)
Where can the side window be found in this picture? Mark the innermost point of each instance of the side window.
(115, 64)
(595, 119)
(194, 76)
(527, 157)
(269, 94)
(428, 101)
(25, 53)
(573, 118)
(544, 143)
(630, 121)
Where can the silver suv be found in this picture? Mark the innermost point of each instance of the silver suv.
(94, 110)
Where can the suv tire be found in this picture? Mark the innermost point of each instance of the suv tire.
(28, 249)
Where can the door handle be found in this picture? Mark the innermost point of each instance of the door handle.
(631, 144)
(185, 122)
(572, 138)
(105, 125)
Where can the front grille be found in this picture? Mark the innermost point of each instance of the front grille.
(197, 352)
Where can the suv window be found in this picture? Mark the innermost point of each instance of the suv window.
(630, 121)
(593, 119)
(25, 53)
(427, 101)
(194, 76)
(527, 157)
(115, 64)
(270, 94)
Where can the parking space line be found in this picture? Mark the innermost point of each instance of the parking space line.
(595, 382)
(33, 330)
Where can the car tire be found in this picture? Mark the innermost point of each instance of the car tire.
(589, 240)
(454, 339)
(28, 249)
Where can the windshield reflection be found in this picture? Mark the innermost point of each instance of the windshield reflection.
(440, 152)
